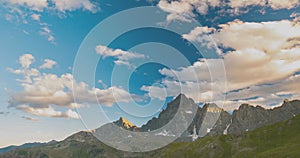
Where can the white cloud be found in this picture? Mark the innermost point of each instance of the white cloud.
(178, 10)
(60, 5)
(283, 87)
(71, 5)
(274, 4)
(122, 57)
(36, 17)
(243, 3)
(278, 4)
(271, 36)
(202, 35)
(183, 9)
(198, 31)
(43, 91)
(269, 51)
(260, 67)
(50, 89)
(268, 96)
(75, 105)
(48, 64)
(72, 114)
(26, 60)
(37, 5)
(45, 31)
(48, 112)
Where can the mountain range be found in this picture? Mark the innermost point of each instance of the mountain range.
(212, 120)
(215, 132)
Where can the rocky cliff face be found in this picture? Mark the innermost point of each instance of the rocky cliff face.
(246, 118)
(188, 105)
(210, 119)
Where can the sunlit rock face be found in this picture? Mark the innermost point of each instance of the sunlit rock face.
(122, 122)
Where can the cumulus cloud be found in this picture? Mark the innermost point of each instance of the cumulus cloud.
(48, 89)
(271, 36)
(183, 10)
(269, 51)
(48, 64)
(72, 114)
(178, 10)
(44, 91)
(25, 61)
(123, 57)
(202, 35)
(260, 65)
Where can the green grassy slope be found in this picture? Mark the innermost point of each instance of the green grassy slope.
(278, 140)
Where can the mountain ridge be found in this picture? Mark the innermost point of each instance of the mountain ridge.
(210, 119)
(245, 118)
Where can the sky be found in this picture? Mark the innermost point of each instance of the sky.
(66, 65)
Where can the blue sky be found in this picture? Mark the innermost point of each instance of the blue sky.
(252, 47)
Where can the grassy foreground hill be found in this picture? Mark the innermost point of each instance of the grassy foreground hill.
(279, 140)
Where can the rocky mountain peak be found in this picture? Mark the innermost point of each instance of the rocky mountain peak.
(245, 106)
(122, 122)
(212, 107)
(180, 98)
(166, 115)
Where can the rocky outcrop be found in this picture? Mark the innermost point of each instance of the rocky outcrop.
(124, 123)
